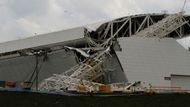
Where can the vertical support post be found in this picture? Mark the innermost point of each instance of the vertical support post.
(37, 72)
(130, 29)
(135, 25)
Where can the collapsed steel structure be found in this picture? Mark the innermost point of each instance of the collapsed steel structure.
(87, 71)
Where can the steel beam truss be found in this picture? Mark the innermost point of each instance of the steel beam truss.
(81, 74)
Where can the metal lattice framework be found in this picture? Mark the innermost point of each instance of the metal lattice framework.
(81, 74)
(128, 26)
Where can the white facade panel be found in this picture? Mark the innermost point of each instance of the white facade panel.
(42, 40)
(150, 60)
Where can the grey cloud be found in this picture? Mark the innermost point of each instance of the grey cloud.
(22, 8)
(160, 5)
(23, 18)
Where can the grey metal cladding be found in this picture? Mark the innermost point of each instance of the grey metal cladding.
(42, 40)
(180, 81)
(21, 68)
(151, 59)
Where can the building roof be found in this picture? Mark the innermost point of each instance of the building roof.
(43, 40)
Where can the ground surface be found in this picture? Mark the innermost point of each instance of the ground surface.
(18, 99)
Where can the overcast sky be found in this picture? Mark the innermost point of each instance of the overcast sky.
(24, 18)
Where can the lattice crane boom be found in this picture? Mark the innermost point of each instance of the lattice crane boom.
(163, 27)
(81, 74)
